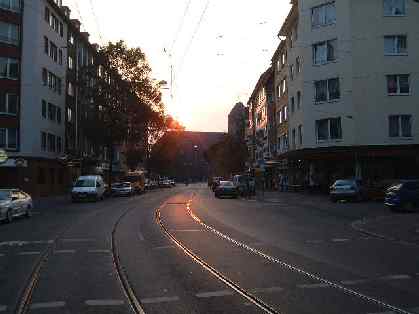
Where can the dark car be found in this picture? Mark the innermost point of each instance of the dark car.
(348, 189)
(403, 195)
(226, 188)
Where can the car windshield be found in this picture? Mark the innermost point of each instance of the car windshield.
(4, 195)
(226, 184)
(85, 183)
(344, 182)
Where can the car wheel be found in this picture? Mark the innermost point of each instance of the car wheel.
(9, 216)
(28, 213)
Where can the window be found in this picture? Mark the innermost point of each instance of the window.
(9, 33)
(70, 63)
(12, 5)
(53, 51)
(395, 45)
(280, 116)
(323, 15)
(61, 29)
(9, 104)
(8, 138)
(400, 126)
(51, 143)
(298, 65)
(52, 112)
(69, 114)
(300, 135)
(394, 7)
(293, 138)
(298, 100)
(45, 76)
(329, 129)
(291, 72)
(44, 109)
(70, 90)
(398, 84)
(71, 38)
(43, 141)
(9, 68)
(60, 57)
(59, 144)
(327, 90)
(46, 45)
(47, 15)
(292, 105)
(58, 115)
(285, 113)
(283, 87)
(325, 52)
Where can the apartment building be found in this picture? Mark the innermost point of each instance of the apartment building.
(237, 122)
(42, 50)
(260, 103)
(352, 96)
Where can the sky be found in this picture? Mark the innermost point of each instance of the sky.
(217, 48)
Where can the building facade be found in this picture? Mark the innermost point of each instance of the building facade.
(353, 105)
(237, 122)
(42, 51)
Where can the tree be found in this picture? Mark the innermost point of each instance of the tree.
(227, 157)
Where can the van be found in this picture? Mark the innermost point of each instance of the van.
(88, 188)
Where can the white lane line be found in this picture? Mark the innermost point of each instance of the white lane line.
(211, 294)
(29, 253)
(165, 247)
(42, 242)
(341, 240)
(354, 282)
(3, 308)
(100, 251)
(64, 251)
(140, 236)
(313, 286)
(396, 277)
(105, 302)
(47, 305)
(187, 230)
(267, 290)
(78, 240)
(159, 300)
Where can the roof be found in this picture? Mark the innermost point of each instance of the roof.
(278, 50)
(262, 80)
(292, 16)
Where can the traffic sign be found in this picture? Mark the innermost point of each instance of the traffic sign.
(3, 156)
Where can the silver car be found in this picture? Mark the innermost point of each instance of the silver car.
(14, 203)
(122, 189)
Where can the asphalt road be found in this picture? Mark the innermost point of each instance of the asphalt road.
(298, 255)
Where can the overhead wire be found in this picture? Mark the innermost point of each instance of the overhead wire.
(92, 7)
(181, 23)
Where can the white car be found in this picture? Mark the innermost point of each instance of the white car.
(122, 189)
(88, 188)
(14, 203)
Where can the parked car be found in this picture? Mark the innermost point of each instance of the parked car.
(137, 180)
(88, 188)
(14, 203)
(403, 195)
(226, 188)
(123, 189)
(166, 184)
(172, 182)
(348, 189)
(215, 182)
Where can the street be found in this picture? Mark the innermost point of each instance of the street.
(181, 250)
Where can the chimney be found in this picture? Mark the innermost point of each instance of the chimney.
(66, 11)
(76, 23)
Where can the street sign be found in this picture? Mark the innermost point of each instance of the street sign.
(3, 156)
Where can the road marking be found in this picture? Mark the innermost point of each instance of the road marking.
(3, 308)
(105, 302)
(188, 230)
(29, 253)
(341, 240)
(64, 251)
(211, 294)
(164, 247)
(22, 243)
(387, 312)
(396, 277)
(354, 282)
(267, 290)
(78, 240)
(159, 300)
(47, 305)
(100, 251)
(313, 286)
